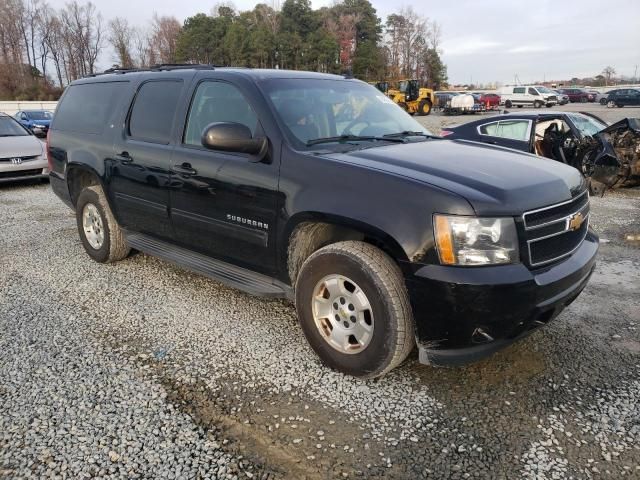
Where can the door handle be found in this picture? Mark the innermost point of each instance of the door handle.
(184, 169)
(124, 157)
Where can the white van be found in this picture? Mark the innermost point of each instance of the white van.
(530, 95)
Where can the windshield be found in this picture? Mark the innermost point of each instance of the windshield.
(39, 115)
(587, 126)
(544, 90)
(10, 128)
(313, 109)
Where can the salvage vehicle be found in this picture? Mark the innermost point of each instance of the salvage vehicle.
(22, 155)
(319, 189)
(623, 97)
(491, 101)
(562, 98)
(528, 95)
(608, 155)
(412, 97)
(37, 121)
(578, 95)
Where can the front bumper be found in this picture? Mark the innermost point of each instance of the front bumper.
(28, 170)
(463, 314)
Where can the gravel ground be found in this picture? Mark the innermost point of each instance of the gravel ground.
(140, 369)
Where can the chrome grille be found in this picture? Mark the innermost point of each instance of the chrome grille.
(552, 232)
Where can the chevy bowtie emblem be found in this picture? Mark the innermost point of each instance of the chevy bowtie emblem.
(16, 160)
(575, 221)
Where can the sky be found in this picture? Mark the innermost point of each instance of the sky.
(483, 41)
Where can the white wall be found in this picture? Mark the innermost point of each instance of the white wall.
(11, 108)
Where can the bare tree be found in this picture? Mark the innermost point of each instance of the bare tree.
(121, 35)
(164, 39)
(608, 73)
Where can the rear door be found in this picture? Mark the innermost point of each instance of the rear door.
(139, 170)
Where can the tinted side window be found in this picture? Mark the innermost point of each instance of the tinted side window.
(217, 102)
(518, 90)
(533, 91)
(512, 129)
(86, 108)
(153, 111)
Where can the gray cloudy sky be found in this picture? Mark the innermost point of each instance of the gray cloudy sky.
(483, 40)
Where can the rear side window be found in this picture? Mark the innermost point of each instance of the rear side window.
(153, 111)
(518, 90)
(87, 107)
(511, 129)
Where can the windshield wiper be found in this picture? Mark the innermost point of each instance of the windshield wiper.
(347, 138)
(409, 133)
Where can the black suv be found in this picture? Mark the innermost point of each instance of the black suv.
(319, 189)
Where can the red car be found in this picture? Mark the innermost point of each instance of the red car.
(578, 95)
(489, 100)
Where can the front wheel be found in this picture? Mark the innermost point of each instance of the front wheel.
(508, 104)
(101, 236)
(603, 101)
(424, 108)
(354, 309)
(537, 104)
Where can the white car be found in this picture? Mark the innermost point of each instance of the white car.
(22, 155)
(530, 95)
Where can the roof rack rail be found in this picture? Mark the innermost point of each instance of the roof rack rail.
(183, 66)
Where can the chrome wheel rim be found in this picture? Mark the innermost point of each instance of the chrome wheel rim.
(342, 314)
(92, 226)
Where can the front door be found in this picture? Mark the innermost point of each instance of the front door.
(223, 204)
(139, 170)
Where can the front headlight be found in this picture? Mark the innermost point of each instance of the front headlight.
(475, 241)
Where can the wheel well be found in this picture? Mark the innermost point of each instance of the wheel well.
(79, 178)
(310, 236)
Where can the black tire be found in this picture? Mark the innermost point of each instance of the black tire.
(549, 105)
(619, 105)
(519, 106)
(114, 247)
(424, 108)
(583, 100)
(382, 282)
(508, 104)
(537, 104)
(603, 101)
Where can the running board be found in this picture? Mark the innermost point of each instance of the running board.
(231, 275)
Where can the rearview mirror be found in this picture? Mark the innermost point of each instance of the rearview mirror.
(233, 137)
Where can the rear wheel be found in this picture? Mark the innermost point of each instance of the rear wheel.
(603, 101)
(101, 236)
(508, 104)
(424, 108)
(354, 309)
(583, 100)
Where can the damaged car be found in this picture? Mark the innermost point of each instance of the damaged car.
(608, 155)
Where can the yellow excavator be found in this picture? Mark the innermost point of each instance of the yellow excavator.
(413, 98)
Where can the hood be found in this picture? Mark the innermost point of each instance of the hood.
(632, 124)
(495, 180)
(24, 146)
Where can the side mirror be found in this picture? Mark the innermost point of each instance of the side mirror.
(233, 137)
